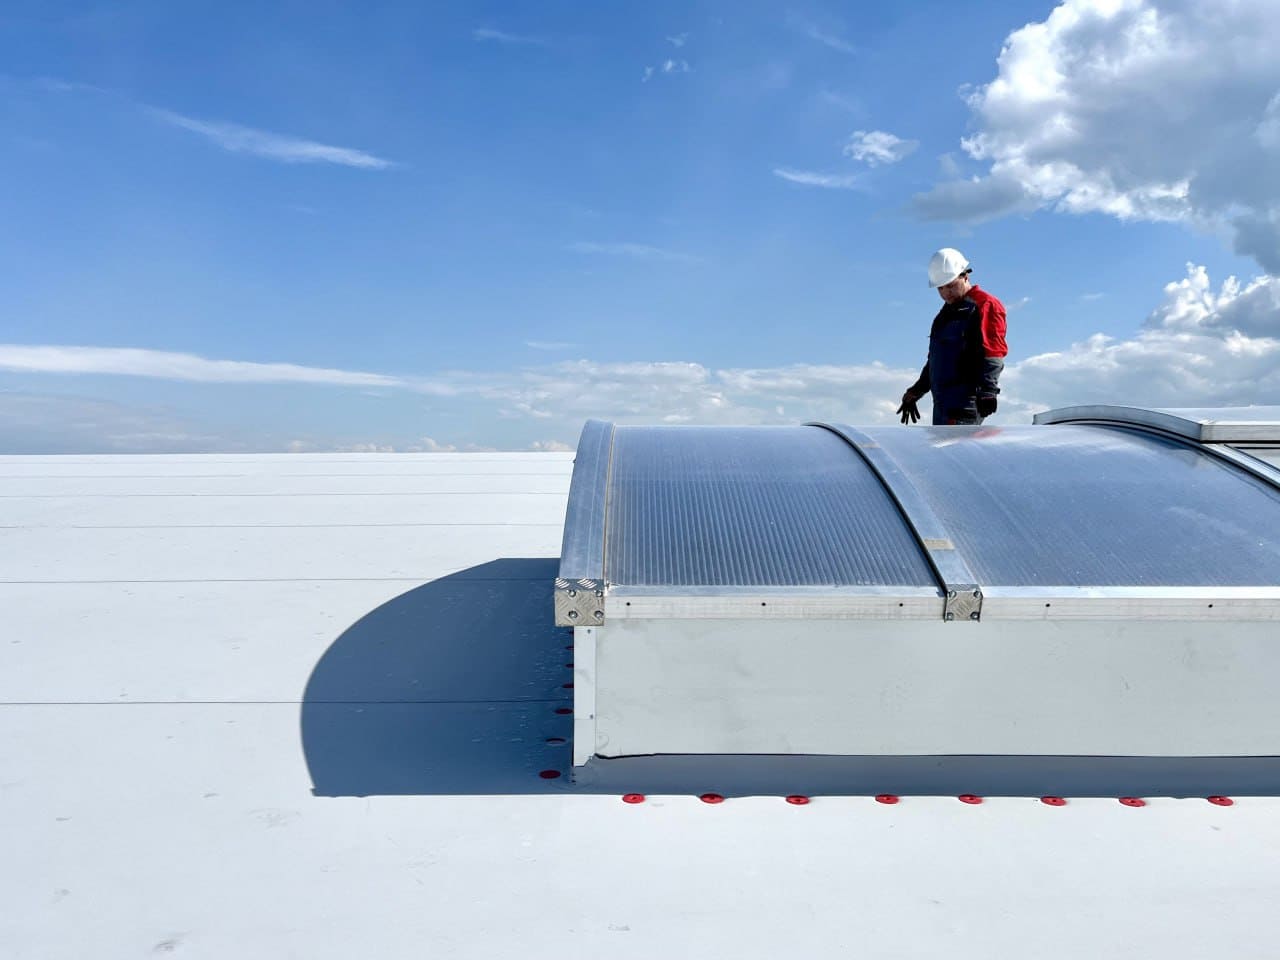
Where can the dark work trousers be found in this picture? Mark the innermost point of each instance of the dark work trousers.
(946, 416)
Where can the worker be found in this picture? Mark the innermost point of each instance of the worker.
(966, 348)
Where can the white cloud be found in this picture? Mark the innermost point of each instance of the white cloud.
(842, 101)
(34, 423)
(875, 147)
(679, 40)
(810, 178)
(551, 446)
(274, 146)
(668, 67)
(488, 35)
(673, 392)
(1157, 110)
(827, 38)
(638, 251)
(176, 366)
(1198, 348)
(420, 445)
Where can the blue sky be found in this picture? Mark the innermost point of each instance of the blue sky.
(474, 224)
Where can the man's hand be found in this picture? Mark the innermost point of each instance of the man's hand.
(986, 404)
(909, 412)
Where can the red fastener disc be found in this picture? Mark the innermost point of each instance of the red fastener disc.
(1054, 801)
(564, 711)
(711, 798)
(633, 798)
(1133, 801)
(1221, 801)
(798, 799)
(549, 774)
(969, 798)
(566, 686)
(886, 798)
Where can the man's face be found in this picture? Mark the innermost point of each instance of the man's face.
(957, 288)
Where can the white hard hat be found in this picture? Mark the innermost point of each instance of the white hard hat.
(945, 266)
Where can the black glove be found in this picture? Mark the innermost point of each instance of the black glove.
(986, 404)
(909, 411)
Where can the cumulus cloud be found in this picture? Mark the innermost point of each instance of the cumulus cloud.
(674, 392)
(1199, 347)
(809, 178)
(1156, 110)
(274, 146)
(876, 147)
(1202, 345)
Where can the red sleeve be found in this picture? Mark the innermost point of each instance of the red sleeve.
(993, 326)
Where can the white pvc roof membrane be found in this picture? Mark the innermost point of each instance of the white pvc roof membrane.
(265, 707)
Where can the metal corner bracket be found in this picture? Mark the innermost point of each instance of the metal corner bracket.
(964, 602)
(579, 603)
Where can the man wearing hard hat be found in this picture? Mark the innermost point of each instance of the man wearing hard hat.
(966, 348)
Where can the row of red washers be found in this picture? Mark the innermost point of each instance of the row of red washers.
(800, 799)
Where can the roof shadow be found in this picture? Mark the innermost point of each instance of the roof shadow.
(450, 688)
(453, 688)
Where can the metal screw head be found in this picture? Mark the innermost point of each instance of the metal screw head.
(948, 616)
(951, 594)
(974, 615)
(599, 614)
(573, 593)
(599, 593)
(573, 614)
(977, 594)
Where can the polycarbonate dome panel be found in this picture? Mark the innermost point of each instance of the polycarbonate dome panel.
(1092, 506)
(755, 506)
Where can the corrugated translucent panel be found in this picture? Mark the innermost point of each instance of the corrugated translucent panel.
(1269, 455)
(1092, 506)
(757, 506)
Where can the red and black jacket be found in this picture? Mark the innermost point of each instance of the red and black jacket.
(966, 351)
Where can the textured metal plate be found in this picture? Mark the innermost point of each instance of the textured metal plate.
(774, 506)
(964, 602)
(579, 603)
